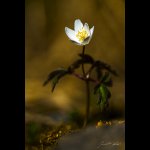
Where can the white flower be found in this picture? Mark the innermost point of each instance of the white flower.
(81, 35)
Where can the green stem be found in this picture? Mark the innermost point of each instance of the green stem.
(87, 92)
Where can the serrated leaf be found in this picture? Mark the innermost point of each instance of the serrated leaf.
(75, 65)
(99, 72)
(55, 73)
(54, 82)
(103, 95)
(87, 58)
(96, 89)
(101, 65)
(104, 92)
(106, 79)
(57, 78)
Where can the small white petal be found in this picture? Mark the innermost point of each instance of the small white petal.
(91, 31)
(86, 27)
(88, 39)
(77, 43)
(71, 34)
(78, 25)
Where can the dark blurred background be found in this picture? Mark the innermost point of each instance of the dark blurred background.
(47, 48)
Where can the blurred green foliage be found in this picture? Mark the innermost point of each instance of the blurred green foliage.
(32, 132)
(76, 117)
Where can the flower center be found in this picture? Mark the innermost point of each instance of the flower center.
(82, 35)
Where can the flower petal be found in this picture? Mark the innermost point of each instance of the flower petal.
(71, 34)
(77, 25)
(91, 31)
(86, 27)
(88, 39)
(77, 43)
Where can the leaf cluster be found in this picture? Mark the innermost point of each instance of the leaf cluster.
(102, 82)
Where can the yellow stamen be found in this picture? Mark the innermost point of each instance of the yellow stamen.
(82, 35)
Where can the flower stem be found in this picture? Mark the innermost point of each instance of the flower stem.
(87, 103)
(83, 70)
(87, 92)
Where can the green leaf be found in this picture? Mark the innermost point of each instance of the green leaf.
(103, 91)
(99, 72)
(106, 79)
(74, 65)
(103, 95)
(101, 65)
(54, 82)
(87, 58)
(96, 88)
(55, 73)
(55, 77)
